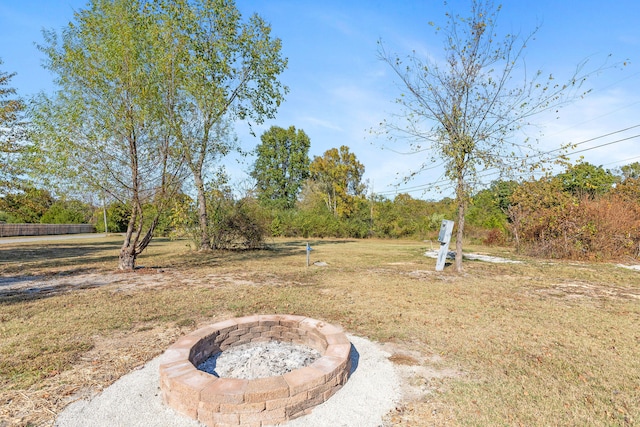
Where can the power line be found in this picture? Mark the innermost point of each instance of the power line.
(610, 112)
(434, 184)
(608, 143)
(579, 151)
(607, 134)
(621, 161)
(601, 145)
(589, 140)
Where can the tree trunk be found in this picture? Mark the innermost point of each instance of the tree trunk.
(203, 220)
(131, 249)
(459, 235)
(515, 215)
(127, 259)
(128, 254)
(462, 207)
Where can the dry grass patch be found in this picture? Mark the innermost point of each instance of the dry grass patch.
(403, 359)
(501, 344)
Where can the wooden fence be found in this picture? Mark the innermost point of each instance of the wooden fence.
(8, 230)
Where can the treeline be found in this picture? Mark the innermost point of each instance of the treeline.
(32, 205)
(586, 212)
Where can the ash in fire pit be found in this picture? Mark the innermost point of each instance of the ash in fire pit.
(259, 360)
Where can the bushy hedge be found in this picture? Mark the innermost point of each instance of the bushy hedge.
(403, 217)
(300, 223)
(549, 222)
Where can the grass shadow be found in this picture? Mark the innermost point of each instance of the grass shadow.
(276, 250)
(47, 251)
(14, 296)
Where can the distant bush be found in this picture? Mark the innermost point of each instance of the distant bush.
(237, 224)
(71, 212)
(549, 222)
(495, 237)
(117, 218)
(606, 228)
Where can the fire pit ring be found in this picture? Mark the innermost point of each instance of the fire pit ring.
(262, 401)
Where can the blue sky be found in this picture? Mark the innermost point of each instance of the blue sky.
(339, 89)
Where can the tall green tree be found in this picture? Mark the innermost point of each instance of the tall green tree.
(103, 128)
(338, 175)
(630, 171)
(585, 179)
(464, 108)
(219, 68)
(11, 131)
(282, 166)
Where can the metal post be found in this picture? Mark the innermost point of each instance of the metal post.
(444, 237)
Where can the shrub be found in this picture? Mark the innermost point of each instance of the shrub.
(605, 227)
(495, 237)
(237, 225)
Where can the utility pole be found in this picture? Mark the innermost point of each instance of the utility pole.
(104, 213)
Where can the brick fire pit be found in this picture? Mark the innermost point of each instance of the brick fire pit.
(256, 402)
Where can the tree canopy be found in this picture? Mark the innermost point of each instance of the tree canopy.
(630, 171)
(338, 174)
(585, 179)
(219, 68)
(26, 206)
(11, 131)
(281, 166)
(103, 128)
(146, 93)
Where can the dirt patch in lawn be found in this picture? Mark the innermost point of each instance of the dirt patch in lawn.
(583, 290)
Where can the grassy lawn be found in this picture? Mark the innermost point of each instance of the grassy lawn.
(534, 344)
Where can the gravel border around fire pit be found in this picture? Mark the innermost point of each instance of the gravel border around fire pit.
(134, 400)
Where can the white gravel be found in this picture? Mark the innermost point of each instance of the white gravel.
(474, 257)
(134, 400)
(630, 267)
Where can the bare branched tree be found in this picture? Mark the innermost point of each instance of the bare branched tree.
(466, 109)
